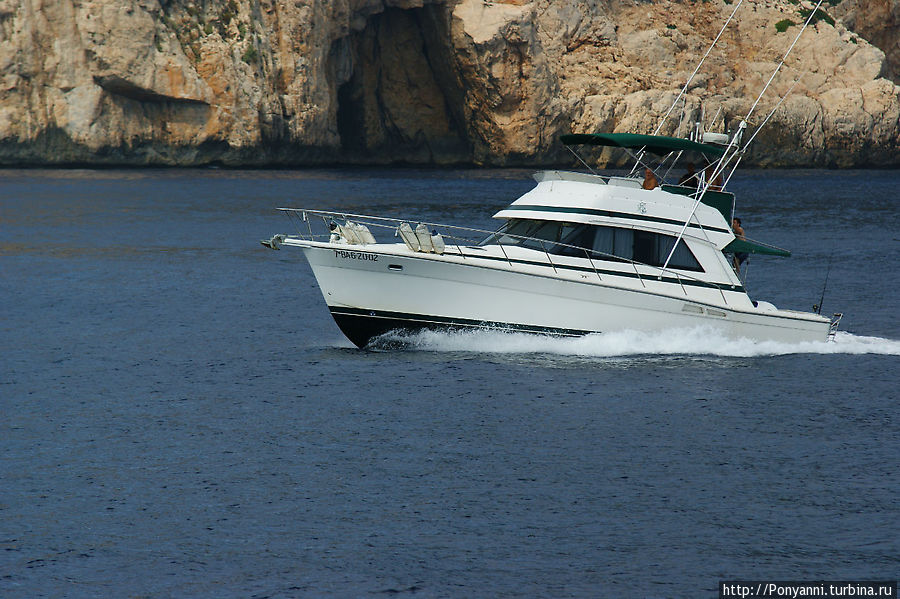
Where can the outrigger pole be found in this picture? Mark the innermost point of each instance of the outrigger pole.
(699, 64)
(687, 83)
(758, 129)
(735, 141)
(726, 158)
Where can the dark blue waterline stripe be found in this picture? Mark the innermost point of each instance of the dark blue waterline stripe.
(612, 214)
(419, 320)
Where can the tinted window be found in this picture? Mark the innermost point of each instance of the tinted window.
(603, 243)
(540, 235)
(575, 238)
(682, 258)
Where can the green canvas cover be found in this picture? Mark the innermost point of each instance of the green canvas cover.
(657, 144)
(753, 247)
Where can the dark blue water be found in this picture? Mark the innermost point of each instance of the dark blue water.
(181, 417)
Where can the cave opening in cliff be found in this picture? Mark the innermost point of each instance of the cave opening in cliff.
(398, 98)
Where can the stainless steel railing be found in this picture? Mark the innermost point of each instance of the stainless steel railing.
(467, 242)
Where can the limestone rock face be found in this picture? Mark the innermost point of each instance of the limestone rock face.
(878, 21)
(292, 82)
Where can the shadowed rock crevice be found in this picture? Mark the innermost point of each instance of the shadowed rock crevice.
(398, 98)
(122, 87)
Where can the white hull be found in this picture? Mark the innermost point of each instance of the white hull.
(375, 288)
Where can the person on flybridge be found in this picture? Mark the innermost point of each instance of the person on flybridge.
(650, 181)
(690, 177)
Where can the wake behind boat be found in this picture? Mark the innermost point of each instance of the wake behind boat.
(580, 253)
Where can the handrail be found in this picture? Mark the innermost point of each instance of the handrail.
(587, 255)
(381, 223)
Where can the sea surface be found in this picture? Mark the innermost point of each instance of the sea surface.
(180, 416)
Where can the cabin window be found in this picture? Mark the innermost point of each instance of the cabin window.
(514, 231)
(544, 232)
(647, 247)
(573, 240)
(603, 243)
(536, 234)
(683, 258)
(611, 243)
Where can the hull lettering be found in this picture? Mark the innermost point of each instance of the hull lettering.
(346, 255)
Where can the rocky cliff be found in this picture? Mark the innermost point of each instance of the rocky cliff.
(293, 82)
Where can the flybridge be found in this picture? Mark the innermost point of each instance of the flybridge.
(719, 200)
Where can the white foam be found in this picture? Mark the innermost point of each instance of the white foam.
(695, 341)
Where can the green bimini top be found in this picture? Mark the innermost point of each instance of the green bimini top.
(657, 144)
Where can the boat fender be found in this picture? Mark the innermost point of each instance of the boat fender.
(362, 231)
(348, 232)
(437, 242)
(409, 237)
(424, 237)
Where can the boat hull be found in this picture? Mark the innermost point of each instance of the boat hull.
(361, 325)
(371, 291)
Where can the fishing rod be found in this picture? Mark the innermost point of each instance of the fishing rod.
(818, 307)
(783, 58)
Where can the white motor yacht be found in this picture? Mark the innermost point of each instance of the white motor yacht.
(580, 253)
